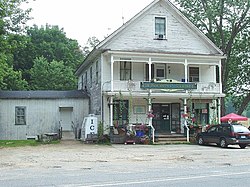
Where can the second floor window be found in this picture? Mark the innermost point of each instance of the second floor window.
(125, 70)
(194, 74)
(90, 75)
(96, 72)
(160, 28)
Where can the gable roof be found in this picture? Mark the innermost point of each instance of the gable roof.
(101, 47)
(176, 10)
(42, 94)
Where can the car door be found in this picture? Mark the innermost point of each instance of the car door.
(211, 135)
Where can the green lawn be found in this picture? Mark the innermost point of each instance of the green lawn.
(21, 143)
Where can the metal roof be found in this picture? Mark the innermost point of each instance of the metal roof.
(43, 94)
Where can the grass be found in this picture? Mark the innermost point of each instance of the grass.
(22, 143)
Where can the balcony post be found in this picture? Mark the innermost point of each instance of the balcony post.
(220, 78)
(186, 70)
(112, 74)
(149, 69)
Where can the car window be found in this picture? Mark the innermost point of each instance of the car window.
(239, 128)
(224, 129)
(212, 129)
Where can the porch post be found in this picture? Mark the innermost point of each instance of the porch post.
(149, 69)
(219, 109)
(111, 112)
(112, 89)
(220, 78)
(150, 119)
(186, 70)
(112, 74)
(185, 121)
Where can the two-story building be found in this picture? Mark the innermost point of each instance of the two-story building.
(160, 63)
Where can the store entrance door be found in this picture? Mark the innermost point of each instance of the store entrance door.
(161, 121)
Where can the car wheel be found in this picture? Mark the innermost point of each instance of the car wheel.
(223, 143)
(200, 140)
(242, 146)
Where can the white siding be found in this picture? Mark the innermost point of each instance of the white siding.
(139, 36)
(42, 116)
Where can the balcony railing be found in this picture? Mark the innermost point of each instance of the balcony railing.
(134, 86)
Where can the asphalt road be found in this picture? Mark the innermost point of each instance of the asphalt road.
(75, 165)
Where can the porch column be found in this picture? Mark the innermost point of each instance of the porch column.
(219, 109)
(185, 121)
(111, 112)
(112, 74)
(112, 89)
(186, 70)
(150, 119)
(149, 69)
(220, 78)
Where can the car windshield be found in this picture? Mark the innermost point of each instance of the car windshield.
(239, 128)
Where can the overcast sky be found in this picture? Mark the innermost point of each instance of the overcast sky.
(82, 19)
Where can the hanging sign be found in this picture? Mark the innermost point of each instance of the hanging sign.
(161, 85)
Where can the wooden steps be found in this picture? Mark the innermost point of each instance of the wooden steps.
(170, 139)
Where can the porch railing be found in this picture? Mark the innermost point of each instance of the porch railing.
(202, 87)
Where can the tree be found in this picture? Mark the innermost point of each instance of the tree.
(226, 23)
(12, 22)
(51, 75)
(91, 43)
(51, 43)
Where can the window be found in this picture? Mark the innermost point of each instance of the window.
(160, 71)
(160, 28)
(90, 75)
(96, 72)
(86, 78)
(125, 70)
(193, 74)
(20, 115)
(120, 110)
(82, 85)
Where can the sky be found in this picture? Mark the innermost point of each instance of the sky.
(82, 19)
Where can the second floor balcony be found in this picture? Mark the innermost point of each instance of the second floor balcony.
(135, 86)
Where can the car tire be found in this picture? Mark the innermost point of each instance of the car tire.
(223, 143)
(242, 146)
(200, 141)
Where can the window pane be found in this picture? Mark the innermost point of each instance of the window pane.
(160, 26)
(193, 74)
(125, 70)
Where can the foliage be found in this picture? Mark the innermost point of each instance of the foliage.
(51, 76)
(51, 43)
(91, 43)
(12, 22)
(227, 24)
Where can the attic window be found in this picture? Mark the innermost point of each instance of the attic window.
(160, 28)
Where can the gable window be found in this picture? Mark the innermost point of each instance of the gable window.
(160, 28)
(125, 70)
(20, 115)
(193, 74)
